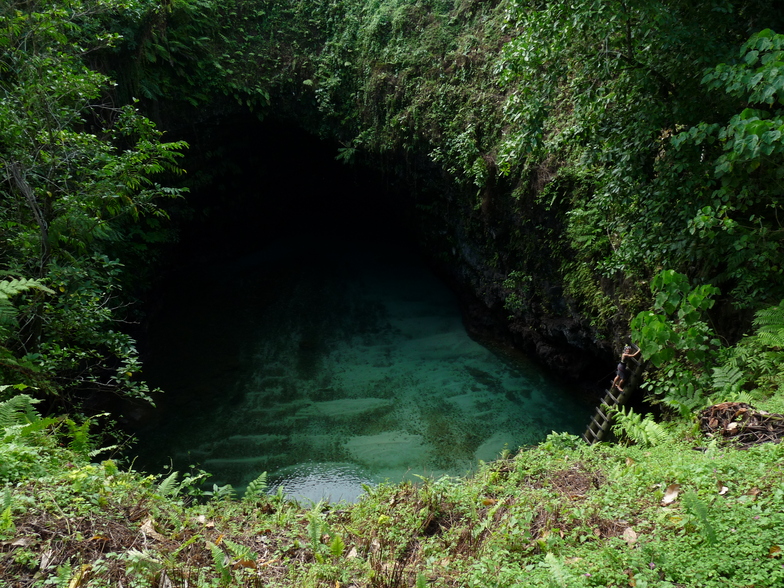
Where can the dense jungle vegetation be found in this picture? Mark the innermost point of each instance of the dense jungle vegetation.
(584, 172)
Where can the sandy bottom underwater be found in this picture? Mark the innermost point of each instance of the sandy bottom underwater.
(333, 367)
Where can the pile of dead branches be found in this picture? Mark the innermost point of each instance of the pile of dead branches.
(741, 424)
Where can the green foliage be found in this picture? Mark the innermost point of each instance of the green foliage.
(337, 547)
(769, 324)
(168, 487)
(256, 489)
(7, 527)
(221, 563)
(315, 531)
(728, 380)
(675, 324)
(18, 411)
(561, 442)
(700, 510)
(753, 365)
(10, 288)
(78, 172)
(543, 518)
(641, 430)
(605, 88)
(741, 219)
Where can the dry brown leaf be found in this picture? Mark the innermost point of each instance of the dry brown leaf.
(98, 538)
(671, 494)
(21, 542)
(80, 577)
(629, 536)
(46, 558)
(148, 529)
(630, 462)
(164, 581)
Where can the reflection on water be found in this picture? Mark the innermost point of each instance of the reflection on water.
(333, 367)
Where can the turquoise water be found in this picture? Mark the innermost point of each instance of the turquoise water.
(333, 365)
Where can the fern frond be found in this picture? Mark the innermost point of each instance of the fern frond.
(169, 486)
(220, 559)
(733, 396)
(256, 488)
(7, 312)
(769, 323)
(686, 402)
(771, 339)
(337, 546)
(699, 509)
(240, 552)
(38, 425)
(18, 411)
(643, 431)
(315, 529)
(80, 437)
(559, 573)
(9, 288)
(727, 377)
(771, 317)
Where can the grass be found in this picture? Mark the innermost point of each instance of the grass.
(689, 513)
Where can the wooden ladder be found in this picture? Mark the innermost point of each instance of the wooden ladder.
(601, 420)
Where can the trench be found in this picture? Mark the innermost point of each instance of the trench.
(310, 340)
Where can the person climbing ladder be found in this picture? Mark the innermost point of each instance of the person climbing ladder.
(622, 372)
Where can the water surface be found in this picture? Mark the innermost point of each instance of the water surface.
(334, 364)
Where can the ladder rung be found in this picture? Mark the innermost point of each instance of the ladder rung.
(593, 438)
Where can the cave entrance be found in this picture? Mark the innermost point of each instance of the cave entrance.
(300, 333)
